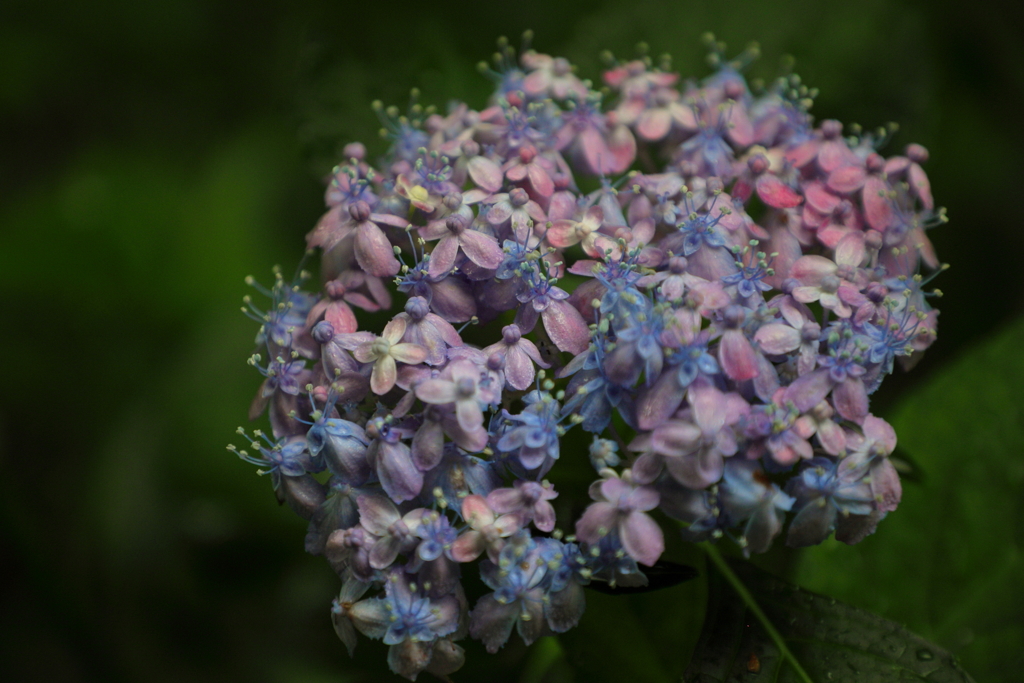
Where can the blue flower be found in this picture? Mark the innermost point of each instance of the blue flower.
(413, 616)
(287, 313)
(437, 534)
(288, 456)
(535, 438)
(748, 496)
(825, 489)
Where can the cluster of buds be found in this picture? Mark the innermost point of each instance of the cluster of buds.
(717, 325)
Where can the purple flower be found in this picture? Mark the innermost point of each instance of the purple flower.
(343, 447)
(747, 495)
(520, 356)
(383, 351)
(735, 353)
(562, 322)
(622, 506)
(486, 531)
(395, 533)
(428, 330)
(408, 621)
(824, 489)
(289, 456)
(533, 435)
(462, 386)
(531, 593)
(478, 247)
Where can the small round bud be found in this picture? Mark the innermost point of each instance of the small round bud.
(470, 148)
(465, 387)
(873, 240)
(876, 292)
(677, 265)
(831, 129)
(875, 163)
(455, 223)
(335, 290)
(417, 307)
(360, 211)
(354, 150)
(496, 361)
(733, 316)
(830, 284)
(511, 334)
(917, 153)
(323, 332)
(452, 201)
(518, 197)
(758, 164)
(810, 332)
(734, 90)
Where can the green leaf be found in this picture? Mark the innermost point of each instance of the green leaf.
(949, 562)
(831, 640)
(639, 636)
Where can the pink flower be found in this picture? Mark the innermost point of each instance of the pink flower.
(536, 170)
(551, 77)
(820, 281)
(586, 232)
(520, 355)
(461, 387)
(487, 531)
(383, 351)
(478, 247)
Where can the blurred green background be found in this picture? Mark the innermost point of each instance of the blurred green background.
(153, 154)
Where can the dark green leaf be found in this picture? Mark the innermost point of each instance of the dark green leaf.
(833, 641)
(639, 636)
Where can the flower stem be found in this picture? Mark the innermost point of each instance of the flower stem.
(748, 599)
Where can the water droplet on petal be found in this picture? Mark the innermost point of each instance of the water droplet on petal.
(925, 655)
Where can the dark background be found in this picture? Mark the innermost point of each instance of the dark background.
(153, 154)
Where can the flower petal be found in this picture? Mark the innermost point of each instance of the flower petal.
(442, 258)
(566, 327)
(777, 338)
(641, 537)
(413, 354)
(597, 520)
(374, 252)
(398, 475)
(877, 208)
(491, 622)
(436, 391)
(776, 193)
(808, 390)
(481, 249)
(383, 376)
(739, 361)
(485, 173)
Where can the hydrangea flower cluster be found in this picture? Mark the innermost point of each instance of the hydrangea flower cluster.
(717, 325)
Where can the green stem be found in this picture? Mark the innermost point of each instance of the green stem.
(748, 599)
